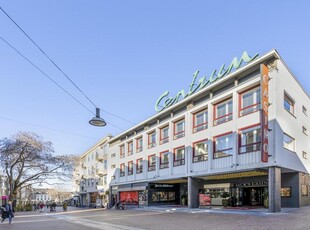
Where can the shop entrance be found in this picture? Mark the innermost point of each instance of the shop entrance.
(247, 196)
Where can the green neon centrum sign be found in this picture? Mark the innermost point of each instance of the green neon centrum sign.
(164, 101)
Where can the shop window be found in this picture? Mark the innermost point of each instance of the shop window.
(200, 121)
(130, 148)
(179, 129)
(122, 170)
(304, 130)
(289, 103)
(200, 151)
(152, 140)
(250, 139)
(304, 155)
(164, 160)
(130, 167)
(304, 110)
(122, 151)
(151, 162)
(286, 192)
(250, 101)
(164, 135)
(139, 165)
(139, 144)
(223, 145)
(223, 112)
(179, 156)
(288, 142)
(163, 196)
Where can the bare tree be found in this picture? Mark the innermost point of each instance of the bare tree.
(26, 159)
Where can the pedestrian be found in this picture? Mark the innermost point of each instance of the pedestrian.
(8, 212)
(41, 207)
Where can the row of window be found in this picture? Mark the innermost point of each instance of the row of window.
(249, 103)
(249, 141)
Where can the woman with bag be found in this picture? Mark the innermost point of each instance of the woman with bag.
(9, 212)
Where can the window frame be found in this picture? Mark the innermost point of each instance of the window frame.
(178, 135)
(287, 98)
(138, 147)
(164, 165)
(258, 144)
(257, 104)
(200, 157)
(151, 167)
(294, 144)
(139, 168)
(150, 143)
(130, 148)
(304, 155)
(130, 169)
(181, 161)
(304, 130)
(122, 151)
(227, 149)
(162, 139)
(229, 115)
(304, 110)
(122, 170)
(204, 125)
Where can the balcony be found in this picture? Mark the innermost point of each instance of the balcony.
(101, 172)
(99, 157)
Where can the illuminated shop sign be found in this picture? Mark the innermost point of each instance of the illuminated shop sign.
(250, 184)
(165, 101)
(264, 112)
(161, 186)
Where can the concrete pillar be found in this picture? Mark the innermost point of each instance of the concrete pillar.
(193, 192)
(274, 189)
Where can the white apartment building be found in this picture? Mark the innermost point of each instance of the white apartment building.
(242, 134)
(91, 175)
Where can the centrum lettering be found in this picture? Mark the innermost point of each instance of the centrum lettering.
(164, 101)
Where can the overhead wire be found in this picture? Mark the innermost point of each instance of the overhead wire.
(52, 80)
(53, 62)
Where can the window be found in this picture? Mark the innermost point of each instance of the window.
(304, 110)
(152, 140)
(179, 156)
(250, 139)
(122, 169)
(130, 148)
(223, 145)
(139, 165)
(105, 165)
(304, 155)
(304, 130)
(113, 155)
(122, 151)
(289, 104)
(130, 167)
(249, 101)
(105, 180)
(164, 159)
(223, 112)
(139, 144)
(200, 121)
(179, 129)
(288, 142)
(152, 162)
(113, 166)
(164, 135)
(200, 151)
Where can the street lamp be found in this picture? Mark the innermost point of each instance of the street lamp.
(97, 120)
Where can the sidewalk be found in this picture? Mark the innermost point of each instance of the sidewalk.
(260, 211)
(59, 209)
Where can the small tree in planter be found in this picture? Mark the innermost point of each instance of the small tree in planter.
(183, 199)
(266, 198)
(226, 199)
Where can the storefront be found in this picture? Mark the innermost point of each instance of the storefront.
(163, 194)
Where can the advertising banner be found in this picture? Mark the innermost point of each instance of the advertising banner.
(204, 199)
(264, 112)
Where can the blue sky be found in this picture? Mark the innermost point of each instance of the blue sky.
(125, 54)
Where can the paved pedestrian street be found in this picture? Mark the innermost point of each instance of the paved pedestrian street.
(161, 219)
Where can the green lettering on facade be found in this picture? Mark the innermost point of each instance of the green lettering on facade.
(202, 82)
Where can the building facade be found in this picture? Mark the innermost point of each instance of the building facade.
(241, 136)
(90, 176)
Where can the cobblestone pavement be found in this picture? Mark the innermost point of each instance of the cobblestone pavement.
(163, 218)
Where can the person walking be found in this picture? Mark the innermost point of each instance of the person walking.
(8, 213)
